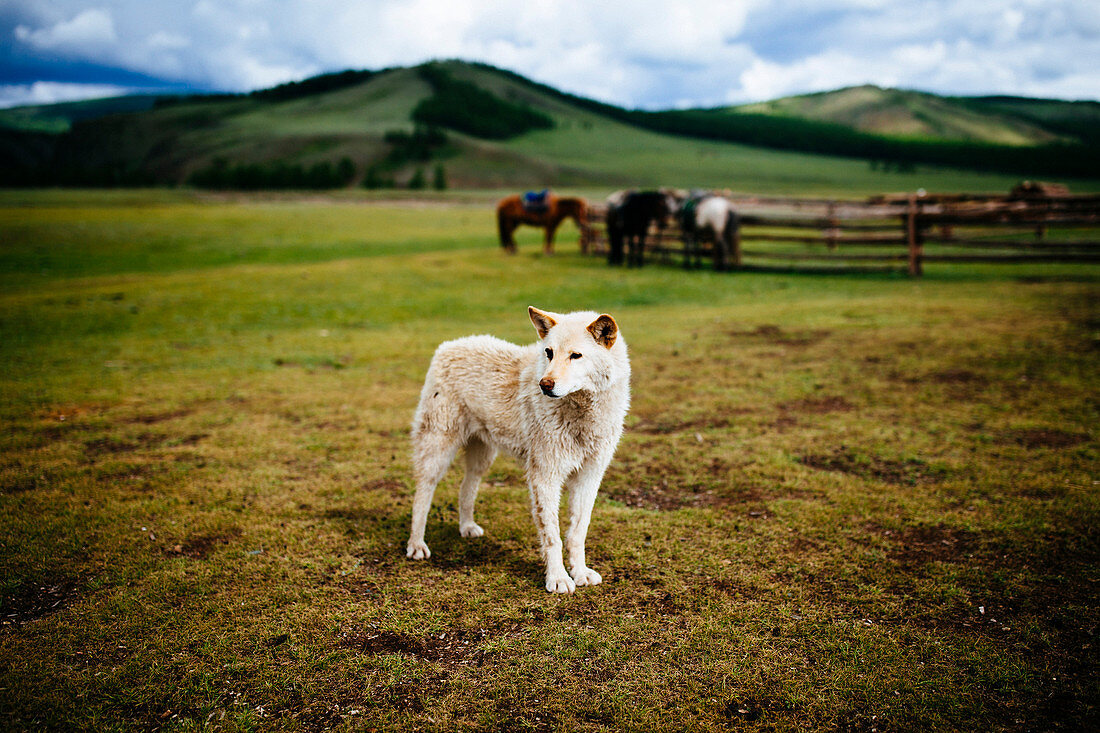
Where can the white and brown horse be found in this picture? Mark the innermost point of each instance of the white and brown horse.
(711, 217)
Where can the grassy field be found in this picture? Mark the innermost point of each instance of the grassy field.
(843, 502)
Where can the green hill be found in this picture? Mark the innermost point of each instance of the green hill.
(58, 118)
(487, 128)
(917, 115)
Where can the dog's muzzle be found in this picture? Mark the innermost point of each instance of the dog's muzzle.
(547, 386)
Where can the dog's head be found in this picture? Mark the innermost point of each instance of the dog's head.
(577, 351)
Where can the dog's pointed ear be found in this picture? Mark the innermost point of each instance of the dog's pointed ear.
(604, 330)
(542, 320)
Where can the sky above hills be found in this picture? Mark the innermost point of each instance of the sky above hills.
(643, 53)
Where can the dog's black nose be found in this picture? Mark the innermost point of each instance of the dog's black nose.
(547, 386)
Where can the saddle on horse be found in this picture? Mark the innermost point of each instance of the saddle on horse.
(687, 208)
(536, 202)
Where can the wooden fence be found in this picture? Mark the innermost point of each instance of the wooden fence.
(894, 232)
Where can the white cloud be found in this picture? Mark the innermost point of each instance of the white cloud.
(164, 41)
(49, 92)
(648, 53)
(84, 33)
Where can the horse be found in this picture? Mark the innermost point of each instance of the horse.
(711, 217)
(629, 215)
(511, 212)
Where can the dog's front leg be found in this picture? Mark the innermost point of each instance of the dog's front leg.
(545, 488)
(583, 486)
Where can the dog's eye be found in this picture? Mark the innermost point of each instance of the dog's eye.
(550, 354)
(574, 355)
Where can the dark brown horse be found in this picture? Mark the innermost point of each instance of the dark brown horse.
(628, 220)
(511, 213)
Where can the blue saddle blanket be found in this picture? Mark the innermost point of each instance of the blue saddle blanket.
(536, 200)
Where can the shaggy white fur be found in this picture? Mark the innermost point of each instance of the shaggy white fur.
(557, 405)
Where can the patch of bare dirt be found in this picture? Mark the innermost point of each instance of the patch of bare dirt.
(21, 482)
(388, 485)
(141, 477)
(818, 405)
(1044, 438)
(907, 471)
(341, 362)
(157, 417)
(923, 544)
(773, 334)
(31, 601)
(662, 497)
(446, 647)
(660, 485)
(110, 445)
(664, 425)
(955, 376)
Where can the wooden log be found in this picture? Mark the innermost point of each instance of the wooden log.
(912, 235)
(894, 240)
(1009, 258)
(895, 257)
(1008, 219)
(778, 222)
(1045, 245)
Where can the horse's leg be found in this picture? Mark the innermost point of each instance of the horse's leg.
(614, 245)
(583, 227)
(551, 229)
(720, 248)
(507, 226)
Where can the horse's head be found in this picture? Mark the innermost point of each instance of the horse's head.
(669, 206)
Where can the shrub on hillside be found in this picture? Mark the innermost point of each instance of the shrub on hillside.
(466, 107)
(419, 145)
(221, 174)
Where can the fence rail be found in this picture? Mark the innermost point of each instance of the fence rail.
(909, 230)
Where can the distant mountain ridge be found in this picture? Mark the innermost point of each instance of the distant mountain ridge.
(492, 127)
(898, 113)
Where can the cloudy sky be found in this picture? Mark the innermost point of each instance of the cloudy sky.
(640, 53)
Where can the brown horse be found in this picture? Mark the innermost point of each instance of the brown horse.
(511, 213)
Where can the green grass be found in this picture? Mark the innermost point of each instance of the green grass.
(841, 502)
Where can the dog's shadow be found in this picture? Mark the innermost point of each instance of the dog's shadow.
(450, 551)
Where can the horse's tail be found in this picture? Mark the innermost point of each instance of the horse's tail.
(733, 223)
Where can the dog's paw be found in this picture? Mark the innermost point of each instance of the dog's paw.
(417, 551)
(560, 584)
(586, 576)
(471, 529)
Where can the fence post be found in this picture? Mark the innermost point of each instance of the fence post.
(913, 238)
(833, 229)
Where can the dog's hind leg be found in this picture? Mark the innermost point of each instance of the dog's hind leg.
(432, 456)
(479, 456)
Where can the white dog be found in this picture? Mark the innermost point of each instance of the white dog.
(557, 405)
